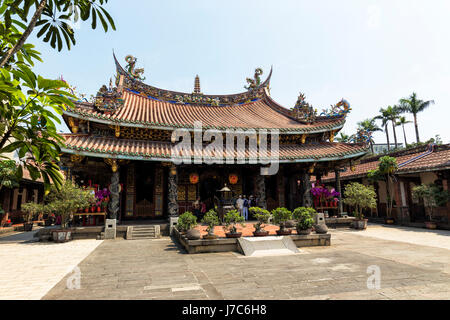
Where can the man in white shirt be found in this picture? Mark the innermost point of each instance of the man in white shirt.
(240, 204)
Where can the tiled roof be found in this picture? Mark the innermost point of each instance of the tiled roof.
(139, 149)
(147, 112)
(440, 158)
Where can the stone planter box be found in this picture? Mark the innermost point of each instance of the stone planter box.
(78, 233)
(339, 222)
(232, 245)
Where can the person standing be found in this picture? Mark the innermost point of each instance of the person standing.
(240, 204)
(245, 206)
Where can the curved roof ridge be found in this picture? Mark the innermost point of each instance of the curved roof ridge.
(123, 72)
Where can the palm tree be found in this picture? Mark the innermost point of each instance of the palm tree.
(343, 138)
(414, 105)
(369, 125)
(401, 122)
(385, 118)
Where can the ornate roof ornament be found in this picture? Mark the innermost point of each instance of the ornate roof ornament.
(131, 68)
(303, 110)
(197, 85)
(256, 81)
(362, 136)
(108, 99)
(341, 109)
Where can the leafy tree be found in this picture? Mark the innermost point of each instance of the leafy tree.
(186, 221)
(360, 197)
(281, 216)
(433, 196)
(304, 217)
(401, 122)
(8, 174)
(53, 18)
(211, 219)
(68, 200)
(262, 215)
(390, 114)
(369, 125)
(344, 138)
(414, 105)
(232, 218)
(385, 172)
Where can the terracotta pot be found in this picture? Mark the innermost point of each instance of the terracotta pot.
(60, 236)
(430, 225)
(360, 224)
(261, 233)
(99, 209)
(304, 232)
(284, 232)
(86, 210)
(92, 209)
(233, 235)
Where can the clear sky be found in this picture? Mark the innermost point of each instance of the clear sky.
(370, 52)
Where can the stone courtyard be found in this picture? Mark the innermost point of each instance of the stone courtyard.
(414, 264)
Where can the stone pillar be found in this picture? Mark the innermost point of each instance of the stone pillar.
(306, 188)
(337, 174)
(173, 191)
(114, 188)
(261, 191)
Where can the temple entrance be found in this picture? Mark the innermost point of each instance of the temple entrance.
(208, 191)
(144, 193)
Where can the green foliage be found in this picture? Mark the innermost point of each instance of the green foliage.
(232, 218)
(433, 196)
(186, 221)
(8, 174)
(211, 219)
(281, 216)
(304, 217)
(68, 199)
(31, 209)
(262, 215)
(360, 197)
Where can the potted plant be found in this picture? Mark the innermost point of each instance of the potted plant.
(186, 224)
(263, 216)
(280, 217)
(233, 218)
(64, 203)
(31, 209)
(433, 196)
(211, 219)
(304, 218)
(360, 197)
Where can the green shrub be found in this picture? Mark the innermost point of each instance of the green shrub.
(262, 215)
(433, 196)
(232, 218)
(31, 209)
(360, 196)
(211, 219)
(186, 221)
(281, 216)
(304, 217)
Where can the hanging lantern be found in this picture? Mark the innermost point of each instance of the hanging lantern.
(233, 178)
(194, 178)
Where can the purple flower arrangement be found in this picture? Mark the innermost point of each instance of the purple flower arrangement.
(322, 195)
(102, 197)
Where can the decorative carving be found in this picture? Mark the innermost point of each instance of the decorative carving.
(173, 191)
(303, 110)
(112, 163)
(261, 191)
(306, 187)
(117, 131)
(108, 99)
(197, 85)
(73, 126)
(362, 136)
(256, 81)
(114, 188)
(76, 158)
(130, 191)
(341, 109)
(131, 68)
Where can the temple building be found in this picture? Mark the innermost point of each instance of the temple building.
(123, 140)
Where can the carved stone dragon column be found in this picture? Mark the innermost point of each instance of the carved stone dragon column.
(306, 188)
(173, 191)
(114, 188)
(261, 191)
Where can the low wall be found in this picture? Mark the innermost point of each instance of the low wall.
(227, 245)
(79, 233)
(339, 222)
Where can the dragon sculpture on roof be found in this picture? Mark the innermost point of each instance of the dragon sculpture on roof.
(342, 108)
(303, 110)
(256, 81)
(136, 73)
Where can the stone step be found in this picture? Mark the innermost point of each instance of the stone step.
(143, 232)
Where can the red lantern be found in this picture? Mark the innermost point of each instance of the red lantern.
(194, 178)
(233, 178)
